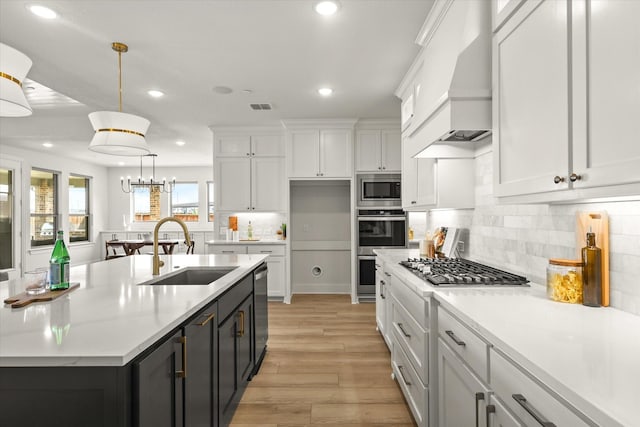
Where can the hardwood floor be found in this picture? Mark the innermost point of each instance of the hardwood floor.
(326, 365)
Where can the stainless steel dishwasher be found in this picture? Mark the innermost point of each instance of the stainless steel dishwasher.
(261, 315)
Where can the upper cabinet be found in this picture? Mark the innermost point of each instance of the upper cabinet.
(563, 102)
(501, 11)
(378, 150)
(249, 170)
(315, 151)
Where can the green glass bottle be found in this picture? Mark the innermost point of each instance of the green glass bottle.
(59, 265)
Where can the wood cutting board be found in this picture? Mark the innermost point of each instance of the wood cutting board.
(598, 223)
(23, 299)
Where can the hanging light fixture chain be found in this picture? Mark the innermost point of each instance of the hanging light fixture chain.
(120, 48)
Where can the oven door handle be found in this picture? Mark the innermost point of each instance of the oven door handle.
(367, 257)
(382, 218)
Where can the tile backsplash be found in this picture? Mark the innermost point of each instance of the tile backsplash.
(521, 238)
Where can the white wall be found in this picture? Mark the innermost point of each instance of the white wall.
(119, 202)
(80, 252)
(521, 238)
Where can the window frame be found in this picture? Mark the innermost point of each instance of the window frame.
(87, 214)
(210, 203)
(152, 194)
(197, 202)
(56, 205)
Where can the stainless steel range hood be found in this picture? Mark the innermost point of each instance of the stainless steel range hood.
(452, 89)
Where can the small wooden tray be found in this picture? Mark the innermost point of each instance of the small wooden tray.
(23, 299)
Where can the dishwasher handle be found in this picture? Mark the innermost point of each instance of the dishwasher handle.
(261, 273)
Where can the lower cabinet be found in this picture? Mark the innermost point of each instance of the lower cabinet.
(236, 358)
(499, 416)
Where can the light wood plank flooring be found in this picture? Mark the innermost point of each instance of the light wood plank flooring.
(326, 365)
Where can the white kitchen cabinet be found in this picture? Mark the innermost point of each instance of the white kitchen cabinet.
(526, 398)
(239, 145)
(320, 153)
(378, 151)
(250, 184)
(501, 11)
(462, 396)
(418, 181)
(562, 103)
(499, 416)
(381, 300)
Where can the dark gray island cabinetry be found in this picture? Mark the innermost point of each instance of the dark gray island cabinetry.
(193, 375)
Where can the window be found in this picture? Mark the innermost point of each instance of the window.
(210, 200)
(184, 201)
(6, 219)
(146, 204)
(43, 202)
(78, 208)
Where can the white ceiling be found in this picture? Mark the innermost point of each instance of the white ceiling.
(281, 50)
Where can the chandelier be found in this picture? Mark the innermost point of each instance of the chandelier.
(119, 133)
(154, 185)
(14, 66)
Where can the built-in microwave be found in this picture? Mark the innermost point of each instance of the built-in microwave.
(379, 190)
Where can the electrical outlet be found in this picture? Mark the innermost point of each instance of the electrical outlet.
(460, 246)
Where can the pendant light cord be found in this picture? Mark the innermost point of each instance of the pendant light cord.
(120, 78)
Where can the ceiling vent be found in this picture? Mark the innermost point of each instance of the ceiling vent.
(260, 107)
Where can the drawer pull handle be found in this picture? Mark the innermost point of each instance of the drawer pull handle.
(228, 252)
(403, 331)
(479, 397)
(378, 265)
(209, 318)
(401, 370)
(455, 339)
(522, 401)
(241, 328)
(382, 295)
(183, 373)
(491, 409)
(387, 274)
(266, 252)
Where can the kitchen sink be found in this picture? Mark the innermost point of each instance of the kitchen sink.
(193, 276)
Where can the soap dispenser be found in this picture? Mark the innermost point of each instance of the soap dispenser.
(250, 231)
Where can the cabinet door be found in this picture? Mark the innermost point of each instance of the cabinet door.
(267, 184)
(200, 382)
(232, 146)
(391, 157)
(501, 10)
(303, 153)
(409, 180)
(267, 145)
(499, 416)
(462, 397)
(276, 276)
(336, 153)
(426, 185)
(531, 100)
(381, 300)
(606, 92)
(227, 369)
(368, 151)
(245, 340)
(159, 385)
(233, 184)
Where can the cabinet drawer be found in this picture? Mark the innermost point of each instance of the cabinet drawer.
(415, 305)
(413, 339)
(464, 342)
(227, 249)
(233, 297)
(526, 398)
(415, 393)
(273, 250)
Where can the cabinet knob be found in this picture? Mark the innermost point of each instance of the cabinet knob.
(384, 167)
(248, 154)
(558, 179)
(253, 154)
(413, 202)
(248, 208)
(575, 177)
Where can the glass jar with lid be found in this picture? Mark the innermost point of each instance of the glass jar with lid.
(564, 280)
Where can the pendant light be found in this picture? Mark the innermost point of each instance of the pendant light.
(119, 133)
(163, 186)
(14, 66)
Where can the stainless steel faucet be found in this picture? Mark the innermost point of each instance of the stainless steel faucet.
(157, 263)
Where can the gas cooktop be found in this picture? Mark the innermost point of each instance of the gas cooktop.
(460, 272)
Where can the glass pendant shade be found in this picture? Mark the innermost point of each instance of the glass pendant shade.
(14, 66)
(118, 133)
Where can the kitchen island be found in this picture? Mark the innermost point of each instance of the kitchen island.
(112, 344)
(574, 365)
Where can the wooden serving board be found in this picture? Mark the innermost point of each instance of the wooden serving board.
(23, 299)
(598, 223)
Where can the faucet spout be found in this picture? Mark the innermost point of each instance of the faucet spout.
(157, 263)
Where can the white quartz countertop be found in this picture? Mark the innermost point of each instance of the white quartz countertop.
(110, 318)
(247, 242)
(589, 356)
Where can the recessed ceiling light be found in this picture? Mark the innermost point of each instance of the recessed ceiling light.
(222, 90)
(326, 7)
(180, 143)
(47, 144)
(120, 163)
(325, 91)
(155, 93)
(42, 12)
(247, 91)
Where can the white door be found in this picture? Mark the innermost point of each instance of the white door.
(11, 217)
(606, 101)
(531, 100)
(336, 153)
(267, 184)
(233, 184)
(391, 153)
(303, 153)
(368, 151)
